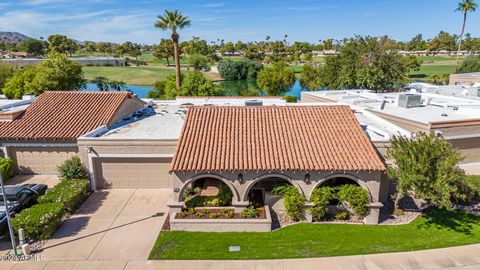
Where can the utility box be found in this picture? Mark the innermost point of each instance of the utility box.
(474, 92)
(409, 100)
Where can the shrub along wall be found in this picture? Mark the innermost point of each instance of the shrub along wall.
(6, 167)
(352, 198)
(71, 193)
(40, 221)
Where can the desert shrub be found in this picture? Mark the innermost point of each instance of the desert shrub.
(469, 187)
(293, 201)
(342, 215)
(71, 193)
(356, 197)
(72, 169)
(250, 212)
(290, 99)
(6, 168)
(321, 197)
(40, 221)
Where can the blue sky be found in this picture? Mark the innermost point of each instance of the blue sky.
(247, 20)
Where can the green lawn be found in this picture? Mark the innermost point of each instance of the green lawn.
(130, 75)
(437, 229)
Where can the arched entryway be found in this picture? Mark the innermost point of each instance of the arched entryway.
(208, 185)
(342, 179)
(260, 191)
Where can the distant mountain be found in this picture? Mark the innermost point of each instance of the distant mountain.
(12, 37)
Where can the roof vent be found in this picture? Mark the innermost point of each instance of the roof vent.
(409, 100)
(253, 103)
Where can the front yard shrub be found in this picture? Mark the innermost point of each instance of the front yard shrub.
(72, 169)
(250, 212)
(356, 197)
(469, 187)
(214, 215)
(71, 193)
(293, 201)
(321, 197)
(40, 221)
(199, 214)
(230, 214)
(342, 215)
(6, 167)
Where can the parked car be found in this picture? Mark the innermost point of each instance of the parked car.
(19, 197)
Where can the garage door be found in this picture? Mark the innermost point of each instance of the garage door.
(39, 160)
(133, 172)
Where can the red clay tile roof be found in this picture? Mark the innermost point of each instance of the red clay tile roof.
(309, 138)
(64, 115)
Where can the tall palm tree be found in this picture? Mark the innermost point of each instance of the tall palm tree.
(464, 6)
(174, 20)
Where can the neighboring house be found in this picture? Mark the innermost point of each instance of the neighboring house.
(16, 55)
(45, 135)
(450, 111)
(468, 79)
(251, 149)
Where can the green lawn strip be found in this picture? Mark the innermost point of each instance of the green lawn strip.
(437, 229)
(130, 75)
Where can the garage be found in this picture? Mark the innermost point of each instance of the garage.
(39, 160)
(132, 172)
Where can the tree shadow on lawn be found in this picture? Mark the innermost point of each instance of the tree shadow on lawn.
(458, 221)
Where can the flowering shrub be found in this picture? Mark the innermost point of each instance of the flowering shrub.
(70, 193)
(39, 221)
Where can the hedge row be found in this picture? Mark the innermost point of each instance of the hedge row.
(41, 220)
(71, 193)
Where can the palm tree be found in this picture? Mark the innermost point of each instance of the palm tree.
(174, 20)
(464, 6)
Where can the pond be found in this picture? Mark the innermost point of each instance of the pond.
(231, 88)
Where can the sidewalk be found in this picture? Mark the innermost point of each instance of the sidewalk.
(464, 257)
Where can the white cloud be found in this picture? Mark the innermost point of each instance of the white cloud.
(214, 5)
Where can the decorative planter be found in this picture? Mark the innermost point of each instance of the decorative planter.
(223, 225)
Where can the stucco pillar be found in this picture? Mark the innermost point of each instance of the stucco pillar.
(240, 206)
(308, 214)
(373, 214)
(175, 206)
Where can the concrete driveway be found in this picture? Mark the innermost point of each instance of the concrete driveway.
(114, 224)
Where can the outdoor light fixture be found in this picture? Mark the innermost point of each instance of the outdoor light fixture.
(240, 178)
(307, 179)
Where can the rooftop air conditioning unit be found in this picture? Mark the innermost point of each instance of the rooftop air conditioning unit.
(474, 92)
(253, 103)
(409, 100)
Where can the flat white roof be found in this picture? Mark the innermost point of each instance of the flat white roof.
(443, 104)
(164, 124)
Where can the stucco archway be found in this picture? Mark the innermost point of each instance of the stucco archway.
(349, 176)
(235, 198)
(266, 176)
